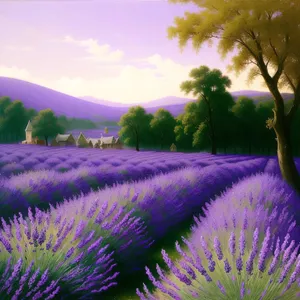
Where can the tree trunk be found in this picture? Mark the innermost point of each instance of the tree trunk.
(213, 147)
(212, 129)
(46, 140)
(137, 145)
(284, 151)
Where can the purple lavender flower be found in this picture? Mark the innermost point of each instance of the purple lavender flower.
(221, 287)
(93, 209)
(227, 267)
(69, 253)
(286, 240)
(245, 221)
(242, 243)
(287, 251)
(6, 244)
(49, 243)
(231, 243)
(207, 253)
(53, 294)
(42, 236)
(275, 258)
(294, 275)
(79, 229)
(174, 269)
(95, 245)
(211, 265)
(264, 251)
(218, 249)
(239, 264)
(33, 278)
(242, 291)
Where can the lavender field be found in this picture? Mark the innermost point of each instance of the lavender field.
(91, 224)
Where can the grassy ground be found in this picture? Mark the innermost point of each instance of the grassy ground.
(126, 288)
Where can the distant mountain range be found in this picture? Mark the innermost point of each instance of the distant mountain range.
(39, 97)
(172, 100)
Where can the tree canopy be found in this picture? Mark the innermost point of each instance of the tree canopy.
(135, 126)
(209, 87)
(162, 125)
(46, 125)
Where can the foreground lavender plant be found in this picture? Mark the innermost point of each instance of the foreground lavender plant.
(253, 258)
(52, 253)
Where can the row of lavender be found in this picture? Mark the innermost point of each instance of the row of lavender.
(77, 248)
(15, 159)
(49, 187)
(249, 252)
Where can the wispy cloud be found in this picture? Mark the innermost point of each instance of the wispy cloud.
(98, 53)
(17, 48)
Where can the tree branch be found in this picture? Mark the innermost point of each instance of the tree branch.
(296, 103)
(290, 82)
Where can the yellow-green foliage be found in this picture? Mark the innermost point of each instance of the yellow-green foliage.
(265, 35)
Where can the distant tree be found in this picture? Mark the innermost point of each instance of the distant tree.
(31, 113)
(201, 136)
(4, 103)
(106, 130)
(295, 129)
(265, 35)
(244, 110)
(183, 140)
(14, 121)
(162, 126)
(63, 122)
(135, 126)
(265, 138)
(46, 125)
(207, 85)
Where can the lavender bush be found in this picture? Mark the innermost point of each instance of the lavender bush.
(242, 249)
(12, 169)
(55, 252)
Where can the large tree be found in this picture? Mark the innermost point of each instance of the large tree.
(162, 125)
(207, 84)
(135, 126)
(265, 35)
(46, 125)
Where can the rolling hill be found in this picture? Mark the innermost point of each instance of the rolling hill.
(39, 97)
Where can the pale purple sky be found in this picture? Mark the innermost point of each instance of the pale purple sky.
(115, 50)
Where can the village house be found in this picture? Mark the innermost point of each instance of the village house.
(118, 144)
(95, 142)
(82, 141)
(29, 138)
(107, 142)
(65, 140)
